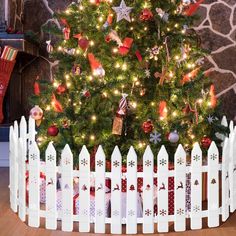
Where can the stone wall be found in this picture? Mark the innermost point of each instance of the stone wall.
(216, 27)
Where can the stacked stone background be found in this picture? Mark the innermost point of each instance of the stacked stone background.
(216, 27)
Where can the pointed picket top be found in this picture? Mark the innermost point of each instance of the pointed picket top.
(51, 154)
(213, 153)
(132, 154)
(148, 153)
(67, 157)
(34, 154)
(180, 157)
(23, 126)
(84, 159)
(224, 121)
(16, 129)
(231, 126)
(196, 155)
(162, 158)
(11, 138)
(116, 159)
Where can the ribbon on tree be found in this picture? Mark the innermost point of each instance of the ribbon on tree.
(36, 87)
(213, 96)
(193, 8)
(163, 110)
(119, 118)
(56, 104)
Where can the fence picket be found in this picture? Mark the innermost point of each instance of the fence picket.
(213, 186)
(100, 191)
(22, 183)
(148, 220)
(34, 174)
(196, 187)
(225, 181)
(131, 202)
(11, 169)
(231, 126)
(51, 192)
(84, 194)
(162, 191)
(14, 173)
(67, 189)
(31, 131)
(116, 226)
(23, 133)
(232, 171)
(180, 189)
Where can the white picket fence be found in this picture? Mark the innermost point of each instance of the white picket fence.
(221, 181)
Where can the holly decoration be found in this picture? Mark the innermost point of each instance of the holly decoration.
(53, 131)
(206, 142)
(147, 126)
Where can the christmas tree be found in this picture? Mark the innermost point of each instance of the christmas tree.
(129, 73)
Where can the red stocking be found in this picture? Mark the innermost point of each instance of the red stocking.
(6, 68)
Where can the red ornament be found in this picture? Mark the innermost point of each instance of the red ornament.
(147, 126)
(86, 93)
(53, 131)
(61, 89)
(107, 38)
(83, 43)
(146, 15)
(193, 8)
(206, 142)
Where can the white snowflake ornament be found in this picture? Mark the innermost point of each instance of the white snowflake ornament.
(155, 137)
(210, 119)
(122, 11)
(147, 73)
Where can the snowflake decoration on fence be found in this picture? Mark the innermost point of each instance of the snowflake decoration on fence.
(84, 162)
(50, 158)
(155, 137)
(85, 212)
(196, 157)
(115, 213)
(162, 212)
(162, 162)
(180, 161)
(33, 156)
(99, 212)
(131, 212)
(116, 163)
(148, 212)
(180, 211)
(148, 163)
(67, 161)
(131, 163)
(213, 156)
(196, 208)
(99, 163)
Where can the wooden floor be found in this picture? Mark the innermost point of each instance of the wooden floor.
(10, 225)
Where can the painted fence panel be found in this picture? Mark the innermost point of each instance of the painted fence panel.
(162, 190)
(232, 171)
(196, 187)
(14, 163)
(100, 191)
(32, 131)
(67, 189)
(51, 187)
(116, 226)
(22, 167)
(84, 193)
(180, 189)
(34, 183)
(148, 188)
(225, 180)
(131, 204)
(22, 182)
(213, 186)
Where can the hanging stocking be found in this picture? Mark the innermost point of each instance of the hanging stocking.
(6, 68)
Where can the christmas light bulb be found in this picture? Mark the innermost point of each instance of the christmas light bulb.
(93, 118)
(91, 43)
(67, 76)
(59, 48)
(92, 137)
(115, 50)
